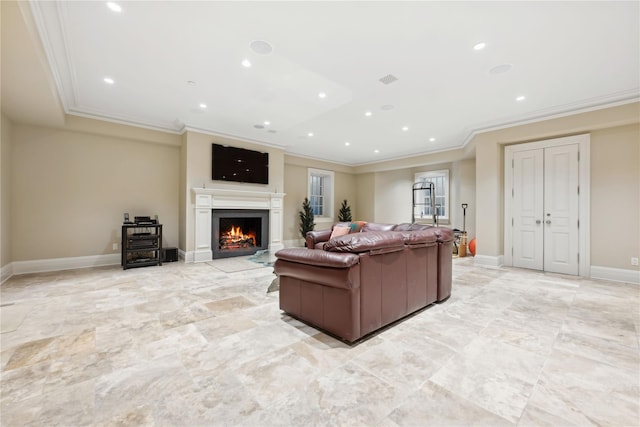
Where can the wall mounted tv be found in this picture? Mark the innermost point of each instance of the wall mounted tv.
(239, 165)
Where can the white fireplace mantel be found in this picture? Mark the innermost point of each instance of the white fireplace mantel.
(207, 199)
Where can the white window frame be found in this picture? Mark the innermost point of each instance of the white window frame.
(444, 219)
(329, 184)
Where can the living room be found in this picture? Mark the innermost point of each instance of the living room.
(67, 178)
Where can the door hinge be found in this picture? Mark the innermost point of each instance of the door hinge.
(578, 257)
(578, 190)
(578, 156)
(511, 250)
(512, 192)
(578, 223)
(512, 222)
(512, 164)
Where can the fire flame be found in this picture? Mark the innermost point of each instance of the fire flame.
(235, 237)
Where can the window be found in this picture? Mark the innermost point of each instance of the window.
(321, 194)
(440, 179)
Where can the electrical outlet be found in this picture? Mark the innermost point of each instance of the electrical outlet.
(634, 261)
(115, 246)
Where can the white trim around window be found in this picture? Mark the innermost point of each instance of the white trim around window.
(320, 191)
(441, 180)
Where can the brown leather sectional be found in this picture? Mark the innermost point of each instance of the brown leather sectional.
(354, 284)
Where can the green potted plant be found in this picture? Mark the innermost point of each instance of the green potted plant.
(306, 218)
(345, 212)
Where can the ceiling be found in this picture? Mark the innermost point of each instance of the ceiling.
(168, 58)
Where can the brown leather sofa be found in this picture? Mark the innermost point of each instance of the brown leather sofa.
(354, 284)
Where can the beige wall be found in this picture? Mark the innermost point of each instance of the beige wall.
(5, 190)
(393, 196)
(463, 190)
(70, 189)
(615, 196)
(196, 158)
(366, 190)
(489, 148)
(386, 196)
(295, 186)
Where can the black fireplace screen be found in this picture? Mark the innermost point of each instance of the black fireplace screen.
(239, 232)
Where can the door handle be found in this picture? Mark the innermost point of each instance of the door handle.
(548, 221)
(538, 221)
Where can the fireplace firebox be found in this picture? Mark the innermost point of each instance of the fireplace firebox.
(237, 232)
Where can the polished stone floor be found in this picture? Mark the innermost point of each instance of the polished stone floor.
(196, 345)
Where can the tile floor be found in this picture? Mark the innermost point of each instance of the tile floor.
(193, 345)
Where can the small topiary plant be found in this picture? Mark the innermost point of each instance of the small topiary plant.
(345, 212)
(306, 218)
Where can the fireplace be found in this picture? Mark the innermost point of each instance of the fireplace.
(237, 232)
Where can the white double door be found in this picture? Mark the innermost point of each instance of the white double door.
(545, 209)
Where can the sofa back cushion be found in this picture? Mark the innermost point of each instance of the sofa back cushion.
(370, 241)
(427, 237)
(377, 226)
(405, 226)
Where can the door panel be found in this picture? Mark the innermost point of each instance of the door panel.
(528, 199)
(561, 206)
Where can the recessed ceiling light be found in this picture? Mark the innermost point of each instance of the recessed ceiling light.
(387, 107)
(114, 6)
(267, 122)
(405, 128)
(310, 134)
(109, 80)
(376, 151)
(322, 95)
(261, 47)
(521, 98)
(479, 46)
(272, 131)
(368, 113)
(203, 105)
(191, 83)
(347, 143)
(258, 126)
(499, 69)
(432, 139)
(246, 63)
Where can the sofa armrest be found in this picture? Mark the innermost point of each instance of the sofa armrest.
(315, 237)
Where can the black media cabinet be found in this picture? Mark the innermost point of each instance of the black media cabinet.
(141, 245)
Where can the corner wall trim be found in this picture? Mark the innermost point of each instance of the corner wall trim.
(56, 264)
(615, 274)
(488, 261)
(6, 271)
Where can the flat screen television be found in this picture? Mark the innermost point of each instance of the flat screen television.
(239, 165)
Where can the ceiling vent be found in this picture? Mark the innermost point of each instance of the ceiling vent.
(388, 79)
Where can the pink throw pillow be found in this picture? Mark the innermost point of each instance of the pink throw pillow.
(339, 231)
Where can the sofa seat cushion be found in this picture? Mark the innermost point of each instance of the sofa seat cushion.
(375, 242)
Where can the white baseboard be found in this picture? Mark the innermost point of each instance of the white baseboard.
(196, 256)
(56, 264)
(488, 260)
(615, 274)
(6, 271)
